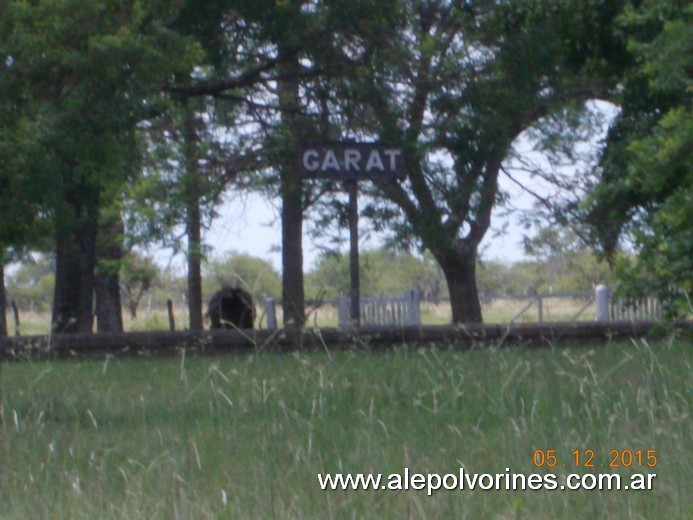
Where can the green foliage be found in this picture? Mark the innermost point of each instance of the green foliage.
(382, 271)
(31, 285)
(664, 266)
(578, 273)
(500, 279)
(457, 84)
(240, 269)
(385, 272)
(87, 73)
(177, 176)
(330, 276)
(78, 77)
(565, 263)
(171, 286)
(391, 270)
(138, 273)
(646, 184)
(86, 89)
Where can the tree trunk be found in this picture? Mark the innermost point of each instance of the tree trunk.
(3, 303)
(194, 270)
(76, 230)
(109, 317)
(194, 219)
(460, 273)
(133, 308)
(292, 199)
(292, 252)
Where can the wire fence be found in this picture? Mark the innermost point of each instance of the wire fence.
(408, 309)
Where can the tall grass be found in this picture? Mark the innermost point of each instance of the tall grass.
(246, 437)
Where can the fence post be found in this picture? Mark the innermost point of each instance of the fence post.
(171, 319)
(343, 307)
(540, 308)
(271, 312)
(15, 310)
(414, 307)
(601, 297)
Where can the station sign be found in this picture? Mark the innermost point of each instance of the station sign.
(352, 161)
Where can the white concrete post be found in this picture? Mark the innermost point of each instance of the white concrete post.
(343, 307)
(271, 312)
(601, 297)
(414, 307)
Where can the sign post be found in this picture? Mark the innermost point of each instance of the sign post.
(355, 287)
(352, 162)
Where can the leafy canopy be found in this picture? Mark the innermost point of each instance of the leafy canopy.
(646, 187)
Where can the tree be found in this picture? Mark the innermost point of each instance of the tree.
(31, 285)
(109, 256)
(383, 272)
(21, 224)
(138, 274)
(86, 74)
(311, 39)
(174, 199)
(205, 148)
(566, 261)
(456, 85)
(281, 53)
(645, 190)
(256, 275)
(3, 301)
(193, 220)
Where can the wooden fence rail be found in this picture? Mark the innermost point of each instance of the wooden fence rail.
(135, 344)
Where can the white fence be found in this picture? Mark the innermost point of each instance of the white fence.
(383, 310)
(641, 309)
(538, 302)
(406, 309)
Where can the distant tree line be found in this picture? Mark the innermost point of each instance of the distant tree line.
(384, 273)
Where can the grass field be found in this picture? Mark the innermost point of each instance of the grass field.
(245, 437)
